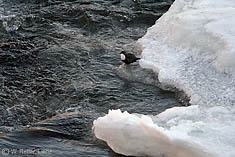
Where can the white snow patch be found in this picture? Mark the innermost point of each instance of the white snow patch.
(192, 47)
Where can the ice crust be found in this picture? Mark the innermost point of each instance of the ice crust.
(191, 48)
(176, 132)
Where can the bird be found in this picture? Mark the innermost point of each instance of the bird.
(128, 58)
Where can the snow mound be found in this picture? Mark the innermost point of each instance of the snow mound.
(192, 48)
(177, 132)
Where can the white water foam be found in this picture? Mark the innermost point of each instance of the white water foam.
(191, 48)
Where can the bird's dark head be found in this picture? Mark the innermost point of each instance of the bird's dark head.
(123, 52)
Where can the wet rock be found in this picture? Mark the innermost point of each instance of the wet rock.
(134, 72)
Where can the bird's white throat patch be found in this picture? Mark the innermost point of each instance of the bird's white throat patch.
(123, 57)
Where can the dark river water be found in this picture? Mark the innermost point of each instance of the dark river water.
(58, 61)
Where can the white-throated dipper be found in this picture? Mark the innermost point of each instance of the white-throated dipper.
(128, 58)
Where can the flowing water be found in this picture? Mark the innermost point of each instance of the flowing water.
(58, 61)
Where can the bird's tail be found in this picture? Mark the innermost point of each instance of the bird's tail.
(138, 58)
